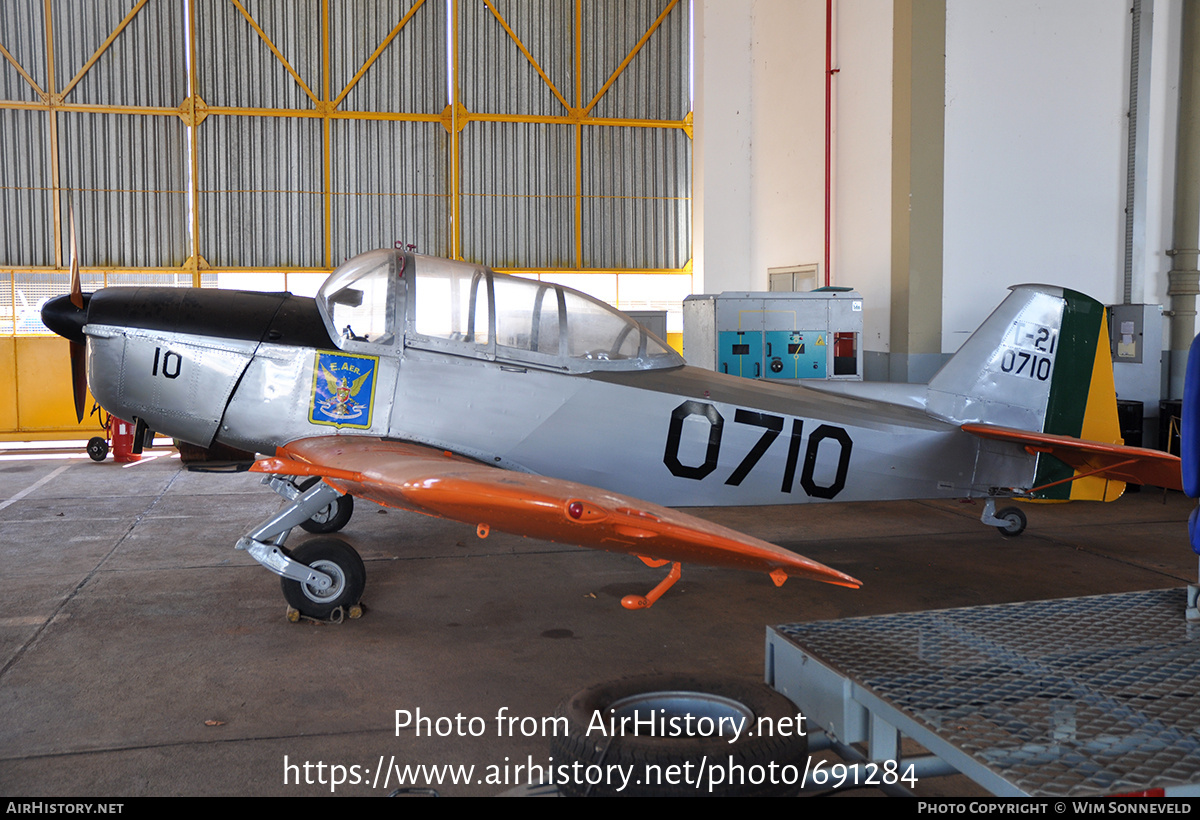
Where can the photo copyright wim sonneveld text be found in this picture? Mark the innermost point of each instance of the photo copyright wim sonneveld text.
(706, 774)
(1128, 804)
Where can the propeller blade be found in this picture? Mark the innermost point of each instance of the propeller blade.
(78, 351)
(76, 284)
(79, 377)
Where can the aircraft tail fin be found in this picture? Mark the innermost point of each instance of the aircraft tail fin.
(1040, 362)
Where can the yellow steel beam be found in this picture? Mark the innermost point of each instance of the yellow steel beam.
(578, 134)
(455, 141)
(56, 195)
(24, 74)
(596, 271)
(194, 136)
(528, 56)
(378, 51)
(92, 109)
(278, 55)
(507, 196)
(218, 110)
(463, 116)
(569, 120)
(326, 135)
(578, 53)
(103, 47)
(578, 195)
(105, 271)
(632, 53)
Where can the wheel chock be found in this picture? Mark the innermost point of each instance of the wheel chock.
(338, 615)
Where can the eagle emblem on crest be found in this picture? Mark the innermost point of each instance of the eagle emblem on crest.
(343, 387)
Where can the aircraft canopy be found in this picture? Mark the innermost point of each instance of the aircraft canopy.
(466, 309)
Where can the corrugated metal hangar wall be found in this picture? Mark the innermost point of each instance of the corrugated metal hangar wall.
(198, 139)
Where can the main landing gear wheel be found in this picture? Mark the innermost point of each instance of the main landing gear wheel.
(97, 448)
(333, 517)
(341, 563)
(676, 702)
(1016, 522)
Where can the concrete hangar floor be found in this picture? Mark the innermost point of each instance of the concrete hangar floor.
(141, 655)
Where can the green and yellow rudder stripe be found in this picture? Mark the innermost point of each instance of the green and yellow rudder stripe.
(1083, 398)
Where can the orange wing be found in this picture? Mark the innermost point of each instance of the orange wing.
(1114, 461)
(438, 483)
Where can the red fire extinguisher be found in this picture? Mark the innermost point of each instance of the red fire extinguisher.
(122, 440)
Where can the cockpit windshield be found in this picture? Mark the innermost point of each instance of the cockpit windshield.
(357, 300)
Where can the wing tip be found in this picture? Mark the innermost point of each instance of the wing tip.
(851, 583)
(825, 575)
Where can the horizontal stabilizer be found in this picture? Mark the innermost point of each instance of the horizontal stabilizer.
(438, 483)
(1115, 462)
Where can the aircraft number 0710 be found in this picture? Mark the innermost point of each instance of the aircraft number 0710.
(826, 434)
(1020, 363)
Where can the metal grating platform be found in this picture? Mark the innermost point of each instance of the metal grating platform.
(1070, 697)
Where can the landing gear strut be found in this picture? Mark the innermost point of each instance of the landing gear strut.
(1009, 522)
(333, 517)
(319, 577)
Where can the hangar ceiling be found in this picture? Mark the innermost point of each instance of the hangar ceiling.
(197, 138)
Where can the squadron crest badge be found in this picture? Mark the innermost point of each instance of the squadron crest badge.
(343, 386)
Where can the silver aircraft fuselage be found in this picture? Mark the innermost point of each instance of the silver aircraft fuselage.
(523, 375)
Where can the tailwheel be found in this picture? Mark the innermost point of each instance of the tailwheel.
(333, 517)
(1014, 522)
(341, 563)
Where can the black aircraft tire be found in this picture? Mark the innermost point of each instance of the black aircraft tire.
(335, 558)
(97, 448)
(681, 695)
(333, 517)
(1016, 522)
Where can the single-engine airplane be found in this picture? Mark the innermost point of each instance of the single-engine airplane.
(449, 389)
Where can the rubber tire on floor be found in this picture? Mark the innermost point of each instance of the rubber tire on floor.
(97, 448)
(333, 517)
(333, 557)
(1016, 519)
(638, 751)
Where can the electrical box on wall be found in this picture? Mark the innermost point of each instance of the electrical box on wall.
(1136, 335)
(780, 336)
